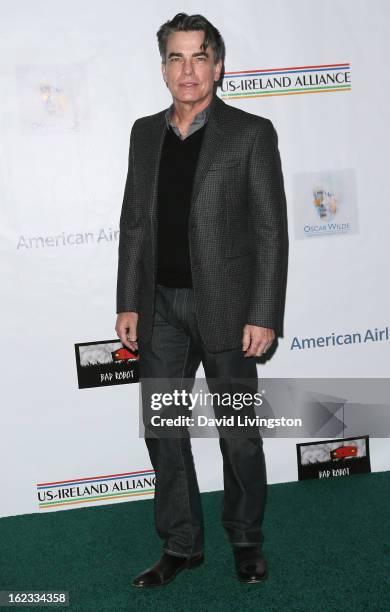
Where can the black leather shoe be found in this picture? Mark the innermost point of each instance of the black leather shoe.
(166, 569)
(250, 564)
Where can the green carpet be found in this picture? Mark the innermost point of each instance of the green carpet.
(327, 543)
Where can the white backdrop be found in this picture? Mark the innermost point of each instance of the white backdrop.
(74, 76)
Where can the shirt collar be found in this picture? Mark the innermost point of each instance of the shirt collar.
(200, 118)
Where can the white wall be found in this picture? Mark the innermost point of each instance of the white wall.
(63, 166)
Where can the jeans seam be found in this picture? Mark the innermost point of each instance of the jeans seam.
(174, 302)
(185, 360)
(181, 451)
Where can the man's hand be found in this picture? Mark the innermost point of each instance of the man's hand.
(256, 340)
(126, 328)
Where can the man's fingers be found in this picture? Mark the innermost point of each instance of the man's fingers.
(128, 336)
(132, 335)
(133, 346)
(132, 338)
(126, 329)
(258, 341)
(246, 339)
(255, 349)
(253, 345)
(262, 347)
(122, 335)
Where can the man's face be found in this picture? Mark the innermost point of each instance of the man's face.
(189, 71)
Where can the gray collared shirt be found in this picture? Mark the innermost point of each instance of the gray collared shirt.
(198, 121)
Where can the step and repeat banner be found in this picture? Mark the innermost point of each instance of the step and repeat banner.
(74, 77)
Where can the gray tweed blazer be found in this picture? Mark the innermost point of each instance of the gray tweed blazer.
(237, 227)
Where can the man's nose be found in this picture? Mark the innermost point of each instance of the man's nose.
(188, 66)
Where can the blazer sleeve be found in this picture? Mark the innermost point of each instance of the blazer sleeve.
(268, 221)
(130, 241)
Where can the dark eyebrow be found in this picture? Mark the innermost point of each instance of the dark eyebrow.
(197, 54)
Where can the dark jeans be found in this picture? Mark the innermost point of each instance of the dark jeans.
(175, 351)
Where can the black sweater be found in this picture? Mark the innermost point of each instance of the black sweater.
(178, 163)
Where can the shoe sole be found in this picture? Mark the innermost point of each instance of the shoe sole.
(255, 581)
(191, 564)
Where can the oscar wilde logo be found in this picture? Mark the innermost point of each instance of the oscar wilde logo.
(325, 203)
(53, 98)
(104, 363)
(286, 81)
(95, 489)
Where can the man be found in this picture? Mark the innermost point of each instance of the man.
(201, 278)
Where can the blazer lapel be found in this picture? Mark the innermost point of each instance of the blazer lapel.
(156, 140)
(156, 137)
(212, 139)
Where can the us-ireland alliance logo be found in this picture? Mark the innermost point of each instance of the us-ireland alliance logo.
(286, 81)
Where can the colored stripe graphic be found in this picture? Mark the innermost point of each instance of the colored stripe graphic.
(42, 485)
(289, 92)
(85, 500)
(293, 69)
(93, 480)
(242, 75)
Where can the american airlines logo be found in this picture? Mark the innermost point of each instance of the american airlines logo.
(67, 239)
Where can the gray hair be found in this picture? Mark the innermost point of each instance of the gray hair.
(189, 23)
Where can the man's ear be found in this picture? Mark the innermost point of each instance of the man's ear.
(218, 70)
(163, 71)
